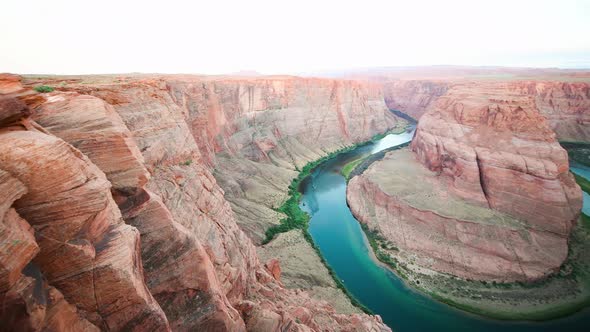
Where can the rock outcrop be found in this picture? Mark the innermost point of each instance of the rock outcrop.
(486, 193)
(256, 133)
(565, 105)
(130, 225)
(84, 248)
(263, 130)
(178, 272)
(498, 151)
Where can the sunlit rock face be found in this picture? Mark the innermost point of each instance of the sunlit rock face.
(498, 150)
(85, 250)
(489, 195)
(178, 272)
(252, 117)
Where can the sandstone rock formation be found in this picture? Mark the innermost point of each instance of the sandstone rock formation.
(178, 272)
(302, 269)
(413, 97)
(129, 223)
(255, 132)
(158, 187)
(499, 151)
(486, 194)
(268, 128)
(566, 105)
(85, 249)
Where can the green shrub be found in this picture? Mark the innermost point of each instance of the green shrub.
(43, 89)
(298, 219)
(584, 184)
(348, 168)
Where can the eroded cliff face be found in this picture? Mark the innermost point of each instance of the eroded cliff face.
(259, 132)
(128, 222)
(488, 194)
(565, 105)
(499, 151)
(85, 250)
(413, 97)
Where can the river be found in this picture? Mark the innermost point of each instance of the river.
(346, 249)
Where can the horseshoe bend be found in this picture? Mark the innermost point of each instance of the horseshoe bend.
(481, 203)
(164, 188)
(295, 166)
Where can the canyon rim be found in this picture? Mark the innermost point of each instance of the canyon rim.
(295, 166)
(162, 188)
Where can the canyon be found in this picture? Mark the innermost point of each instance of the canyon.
(484, 192)
(563, 101)
(162, 188)
(113, 217)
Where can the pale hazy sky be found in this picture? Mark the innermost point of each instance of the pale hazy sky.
(222, 36)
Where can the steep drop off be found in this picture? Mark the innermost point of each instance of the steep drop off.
(413, 97)
(565, 105)
(486, 193)
(128, 222)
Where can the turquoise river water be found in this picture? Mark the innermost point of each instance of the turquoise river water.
(345, 247)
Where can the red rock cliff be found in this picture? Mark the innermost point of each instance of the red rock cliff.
(565, 105)
(251, 117)
(486, 193)
(499, 151)
(128, 221)
(413, 97)
(86, 251)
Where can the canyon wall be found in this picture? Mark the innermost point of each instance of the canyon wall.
(159, 187)
(565, 105)
(65, 201)
(257, 133)
(499, 152)
(252, 118)
(488, 194)
(262, 131)
(130, 230)
(413, 97)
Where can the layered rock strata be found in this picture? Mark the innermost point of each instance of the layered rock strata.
(117, 184)
(485, 194)
(264, 130)
(178, 271)
(565, 105)
(413, 97)
(255, 133)
(85, 250)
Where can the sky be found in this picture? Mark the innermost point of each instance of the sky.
(287, 37)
